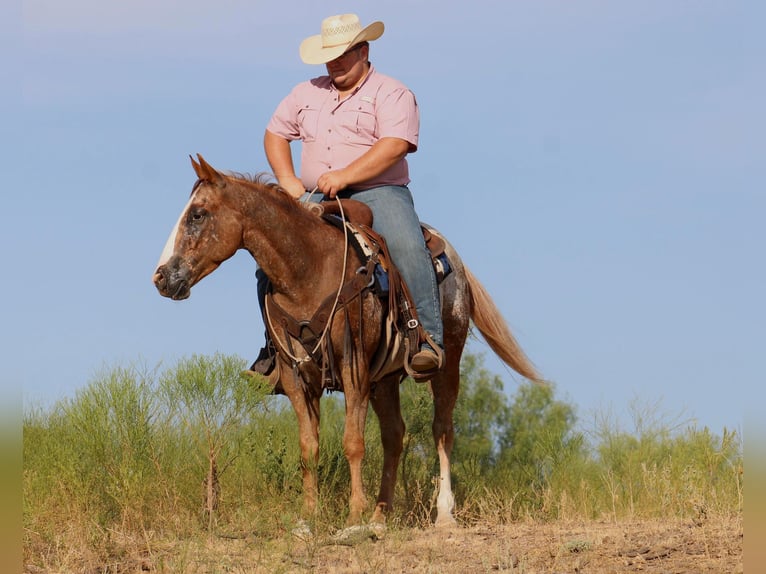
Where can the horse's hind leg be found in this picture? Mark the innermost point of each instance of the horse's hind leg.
(444, 387)
(386, 404)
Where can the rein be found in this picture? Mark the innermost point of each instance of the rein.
(309, 357)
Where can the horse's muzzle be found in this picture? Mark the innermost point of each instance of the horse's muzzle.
(172, 281)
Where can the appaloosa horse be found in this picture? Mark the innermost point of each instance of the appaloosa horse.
(307, 260)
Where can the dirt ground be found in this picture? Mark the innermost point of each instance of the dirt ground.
(666, 547)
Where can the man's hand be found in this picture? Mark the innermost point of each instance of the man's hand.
(292, 185)
(381, 156)
(331, 182)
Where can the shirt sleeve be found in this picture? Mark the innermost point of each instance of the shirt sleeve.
(284, 122)
(398, 116)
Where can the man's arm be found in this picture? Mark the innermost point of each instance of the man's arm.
(280, 158)
(382, 155)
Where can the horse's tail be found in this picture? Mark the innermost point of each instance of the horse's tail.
(490, 323)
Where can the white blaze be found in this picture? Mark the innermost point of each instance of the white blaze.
(170, 246)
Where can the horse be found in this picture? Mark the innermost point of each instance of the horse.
(306, 260)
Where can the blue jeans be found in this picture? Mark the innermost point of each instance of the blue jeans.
(394, 217)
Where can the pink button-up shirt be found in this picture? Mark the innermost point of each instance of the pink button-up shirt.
(336, 133)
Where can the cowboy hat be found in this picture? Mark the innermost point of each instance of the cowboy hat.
(339, 34)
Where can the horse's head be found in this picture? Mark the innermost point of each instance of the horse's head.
(207, 233)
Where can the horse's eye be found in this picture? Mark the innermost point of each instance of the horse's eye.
(196, 215)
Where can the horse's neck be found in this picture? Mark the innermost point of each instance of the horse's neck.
(294, 248)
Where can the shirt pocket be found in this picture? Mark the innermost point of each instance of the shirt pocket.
(360, 123)
(308, 122)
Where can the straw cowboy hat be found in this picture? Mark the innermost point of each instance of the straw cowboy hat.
(339, 34)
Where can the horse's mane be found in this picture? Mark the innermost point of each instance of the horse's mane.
(259, 179)
(263, 181)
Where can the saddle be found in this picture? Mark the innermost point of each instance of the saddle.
(359, 214)
(402, 332)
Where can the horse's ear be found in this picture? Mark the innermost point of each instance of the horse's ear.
(197, 168)
(207, 172)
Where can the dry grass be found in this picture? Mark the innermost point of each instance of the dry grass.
(712, 546)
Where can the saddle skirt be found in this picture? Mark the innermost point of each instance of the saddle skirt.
(402, 331)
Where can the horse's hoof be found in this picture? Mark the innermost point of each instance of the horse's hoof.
(445, 522)
(378, 529)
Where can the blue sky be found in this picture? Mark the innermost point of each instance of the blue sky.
(601, 167)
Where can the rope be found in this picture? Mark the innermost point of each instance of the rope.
(335, 303)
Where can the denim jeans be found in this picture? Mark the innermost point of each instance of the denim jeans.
(394, 217)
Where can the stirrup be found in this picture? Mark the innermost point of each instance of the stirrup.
(426, 363)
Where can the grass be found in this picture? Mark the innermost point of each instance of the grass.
(121, 473)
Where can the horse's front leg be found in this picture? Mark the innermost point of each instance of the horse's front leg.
(357, 400)
(305, 403)
(386, 404)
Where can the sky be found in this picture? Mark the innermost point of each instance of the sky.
(600, 166)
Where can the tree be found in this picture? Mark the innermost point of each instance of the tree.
(481, 416)
(213, 400)
(538, 437)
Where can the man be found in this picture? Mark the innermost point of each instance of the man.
(356, 127)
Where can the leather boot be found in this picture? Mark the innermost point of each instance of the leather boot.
(425, 360)
(266, 360)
